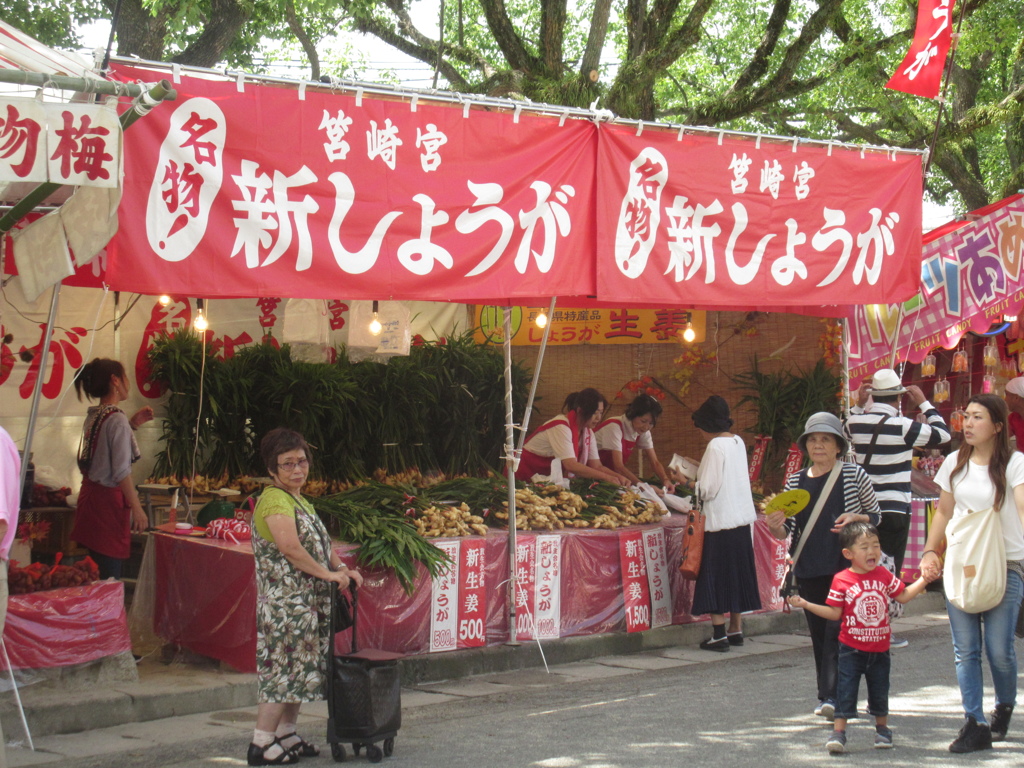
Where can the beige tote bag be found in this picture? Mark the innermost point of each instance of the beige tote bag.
(975, 571)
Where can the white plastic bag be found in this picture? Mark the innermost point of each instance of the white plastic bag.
(974, 574)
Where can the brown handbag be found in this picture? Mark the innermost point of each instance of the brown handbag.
(693, 544)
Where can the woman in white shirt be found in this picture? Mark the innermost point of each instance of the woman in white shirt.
(983, 473)
(569, 439)
(619, 436)
(727, 582)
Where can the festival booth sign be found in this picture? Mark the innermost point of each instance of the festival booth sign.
(970, 276)
(248, 189)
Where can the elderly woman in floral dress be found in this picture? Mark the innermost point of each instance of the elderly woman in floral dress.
(296, 567)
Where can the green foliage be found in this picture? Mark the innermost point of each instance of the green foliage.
(784, 399)
(440, 408)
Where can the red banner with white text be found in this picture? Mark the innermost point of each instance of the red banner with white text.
(266, 191)
(694, 220)
(920, 72)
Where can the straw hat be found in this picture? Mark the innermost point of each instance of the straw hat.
(886, 383)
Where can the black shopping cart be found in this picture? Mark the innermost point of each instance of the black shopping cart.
(364, 696)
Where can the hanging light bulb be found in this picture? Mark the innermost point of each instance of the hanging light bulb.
(164, 300)
(542, 319)
(688, 333)
(200, 323)
(375, 326)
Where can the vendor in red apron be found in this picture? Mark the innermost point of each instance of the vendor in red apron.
(108, 507)
(619, 436)
(569, 438)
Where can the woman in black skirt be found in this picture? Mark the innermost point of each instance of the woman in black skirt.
(727, 582)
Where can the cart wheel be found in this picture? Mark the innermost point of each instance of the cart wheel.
(356, 748)
(374, 753)
(338, 752)
(389, 747)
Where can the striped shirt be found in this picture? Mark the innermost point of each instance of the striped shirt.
(890, 463)
(822, 555)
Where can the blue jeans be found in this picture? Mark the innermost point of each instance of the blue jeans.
(873, 666)
(999, 623)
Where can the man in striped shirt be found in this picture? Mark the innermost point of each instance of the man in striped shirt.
(889, 463)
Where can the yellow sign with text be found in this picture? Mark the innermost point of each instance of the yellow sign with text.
(589, 326)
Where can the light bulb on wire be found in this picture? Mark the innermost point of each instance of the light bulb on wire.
(164, 300)
(542, 319)
(375, 326)
(200, 323)
(689, 334)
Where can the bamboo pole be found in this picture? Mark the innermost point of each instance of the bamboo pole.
(510, 475)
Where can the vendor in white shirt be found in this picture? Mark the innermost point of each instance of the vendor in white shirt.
(569, 438)
(619, 436)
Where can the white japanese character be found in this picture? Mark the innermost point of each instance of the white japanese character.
(266, 212)
(771, 177)
(785, 268)
(419, 254)
(823, 240)
(471, 220)
(743, 275)
(739, 167)
(336, 127)
(801, 176)
(690, 245)
(383, 143)
(354, 262)
(431, 141)
(553, 220)
(875, 244)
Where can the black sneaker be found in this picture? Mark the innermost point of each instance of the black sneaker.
(974, 736)
(999, 721)
(720, 644)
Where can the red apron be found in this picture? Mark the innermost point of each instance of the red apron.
(531, 463)
(103, 520)
(627, 445)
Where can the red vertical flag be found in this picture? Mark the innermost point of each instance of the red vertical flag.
(920, 73)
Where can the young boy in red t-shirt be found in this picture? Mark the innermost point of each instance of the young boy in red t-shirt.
(859, 600)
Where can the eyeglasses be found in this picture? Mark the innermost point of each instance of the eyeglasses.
(288, 466)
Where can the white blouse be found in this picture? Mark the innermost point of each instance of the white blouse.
(724, 485)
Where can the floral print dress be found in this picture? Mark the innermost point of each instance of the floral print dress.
(292, 610)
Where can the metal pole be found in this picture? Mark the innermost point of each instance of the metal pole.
(510, 475)
(37, 388)
(524, 427)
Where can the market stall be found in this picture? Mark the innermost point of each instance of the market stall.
(493, 201)
(573, 583)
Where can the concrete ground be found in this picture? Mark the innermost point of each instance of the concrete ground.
(614, 708)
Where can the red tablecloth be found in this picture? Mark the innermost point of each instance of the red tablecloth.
(206, 593)
(61, 627)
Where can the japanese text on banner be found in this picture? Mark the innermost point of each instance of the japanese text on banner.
(636, 590)
(548, 591)
(658, 577)
(472, 595)
(526, 585)
(444, 597)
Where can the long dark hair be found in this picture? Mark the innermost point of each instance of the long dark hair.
(1001, 452)
(93, 378)
(586, 401)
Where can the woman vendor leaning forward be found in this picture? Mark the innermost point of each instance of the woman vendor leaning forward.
(108, 508)
(619, 436)
(296, 567)
(569, 438)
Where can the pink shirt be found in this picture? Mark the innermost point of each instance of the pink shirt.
(10, 490)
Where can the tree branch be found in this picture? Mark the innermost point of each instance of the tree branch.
(304, 39)
(758, 64)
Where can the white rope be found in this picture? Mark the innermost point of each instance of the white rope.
(17, 696)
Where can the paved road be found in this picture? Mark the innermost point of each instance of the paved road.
(680, 707)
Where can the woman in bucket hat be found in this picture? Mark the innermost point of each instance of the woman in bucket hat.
(851, 499)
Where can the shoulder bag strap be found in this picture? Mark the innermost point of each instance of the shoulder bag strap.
(819, 505)
(869, 451)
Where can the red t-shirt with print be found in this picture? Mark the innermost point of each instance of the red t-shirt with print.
(864, 598)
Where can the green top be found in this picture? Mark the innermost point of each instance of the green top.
(279, 503)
